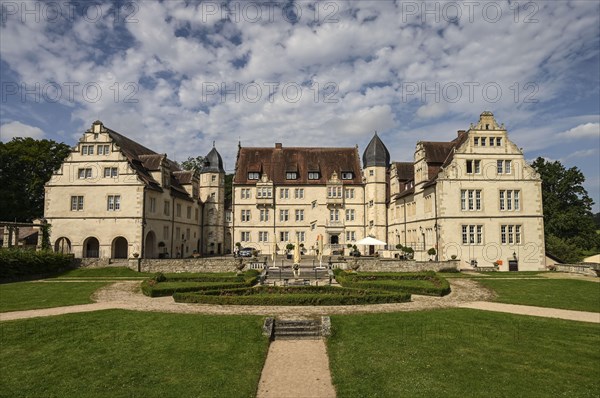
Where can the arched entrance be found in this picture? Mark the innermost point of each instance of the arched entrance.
(334, 239)
(150, 245)
(119, 247)
(91, 248)
(63, 246)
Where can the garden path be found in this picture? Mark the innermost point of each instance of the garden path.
(296, 368)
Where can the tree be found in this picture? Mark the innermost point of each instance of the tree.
(193, 163)
(25, 166)
(567, 209)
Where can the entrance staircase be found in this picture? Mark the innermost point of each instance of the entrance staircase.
(297, 329)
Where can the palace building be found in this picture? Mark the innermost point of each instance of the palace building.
(473, 198)
(114, 198)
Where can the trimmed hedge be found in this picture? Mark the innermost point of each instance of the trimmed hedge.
(161, 285)
(397, 282)
(17, 263)
(303, 295)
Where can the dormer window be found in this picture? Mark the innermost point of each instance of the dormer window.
(347, 175)
(313, 175)
(253, 176)
(166, 178)
(291, 175)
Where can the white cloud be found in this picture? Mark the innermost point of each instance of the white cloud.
(17, 129)
(584, 153)
(587, 130)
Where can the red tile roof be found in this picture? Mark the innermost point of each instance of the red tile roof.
(276, 162)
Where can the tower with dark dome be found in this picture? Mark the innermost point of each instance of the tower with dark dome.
(376, 162)
(212, 194)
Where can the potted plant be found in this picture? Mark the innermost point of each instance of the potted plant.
(288, 248)
(431, 252)
(409, 252)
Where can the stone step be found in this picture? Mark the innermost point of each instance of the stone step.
(296, 329)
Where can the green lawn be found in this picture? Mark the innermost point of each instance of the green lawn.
(107, 272)
(556, 293)
(119, 353)
(498, 274)
(460, 353)
(30, 295)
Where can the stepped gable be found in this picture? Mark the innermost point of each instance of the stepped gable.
(144, 160)
(276, 162)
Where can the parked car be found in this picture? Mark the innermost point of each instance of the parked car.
(246, 251)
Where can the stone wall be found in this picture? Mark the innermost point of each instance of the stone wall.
(582, 268)
(393, 265)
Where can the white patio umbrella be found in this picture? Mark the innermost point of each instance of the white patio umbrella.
(370, 241)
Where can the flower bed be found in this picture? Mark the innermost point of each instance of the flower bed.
(304, 295)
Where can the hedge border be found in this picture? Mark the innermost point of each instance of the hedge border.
(151, 287)
(314, 296)
(369, 281)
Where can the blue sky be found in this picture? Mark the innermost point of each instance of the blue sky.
(177, 76)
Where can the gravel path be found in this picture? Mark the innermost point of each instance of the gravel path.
(581, 316)
(127, 295)
(296, 368)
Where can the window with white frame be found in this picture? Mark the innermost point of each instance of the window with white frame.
(350, 236)
(470, 199)
(498, 141)
(245, 193)
(510, 200)
(299, 215)
(334, 215)
(87, 149)
(111, 172)
(167, 208)
(263, 236)
(299, 193)
(245, 236)
(504, 166)
(284, 215)
(510, 234)
(84, 173)
(291, 175)
(264, 215)
(284, 236)
(253, 176)
(483, 141)
(473, 166)
(476, 141)
(349, 193)
(113, 203)
(301, 236)
(264, 192)
(350, 214)
(245, 215)
(76, 203)
(472, 234)
(313, 175)
(334, 192)
(284, 193)
(103, 149)
(347, 175)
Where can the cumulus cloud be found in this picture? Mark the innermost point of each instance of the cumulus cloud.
(587, 130)
(17, 129)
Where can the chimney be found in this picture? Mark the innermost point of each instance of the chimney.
(461, 132)
(278, 145)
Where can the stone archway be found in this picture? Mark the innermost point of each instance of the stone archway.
(150, 245)
(62, 245)
(120, 247)
(91, 248)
